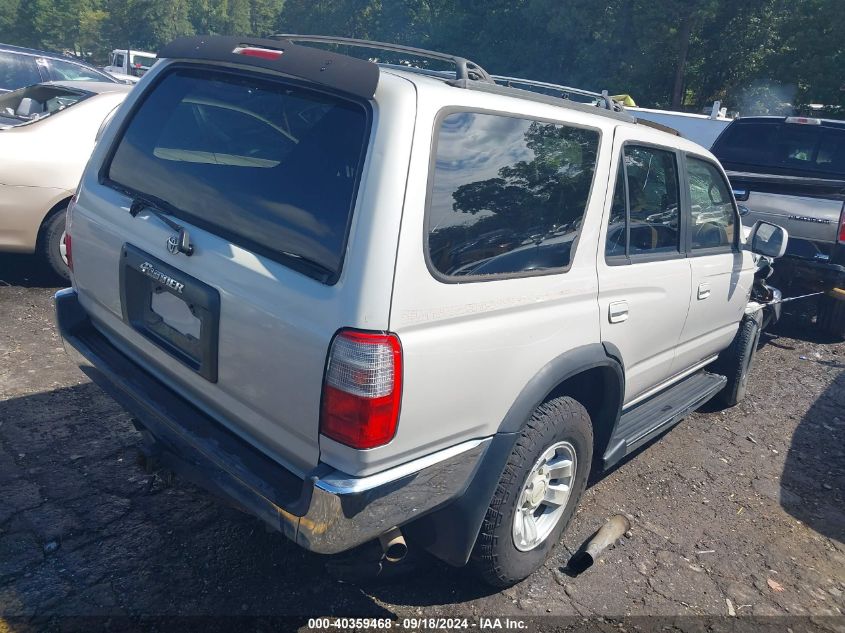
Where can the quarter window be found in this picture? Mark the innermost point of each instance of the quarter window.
(508, 194)
(68, 71)
(713, 222)
(645, 216)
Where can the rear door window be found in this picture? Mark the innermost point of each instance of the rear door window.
(646, 212)
(271, 166)
(17, 71)
(508, 195)
(68, 71)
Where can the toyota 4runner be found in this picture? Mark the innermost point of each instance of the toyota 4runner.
(369, 301)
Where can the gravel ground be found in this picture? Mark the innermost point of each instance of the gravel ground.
(738, 511)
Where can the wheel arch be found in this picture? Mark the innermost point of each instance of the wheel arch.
(593, 375)
(450, 533)
(58, 207)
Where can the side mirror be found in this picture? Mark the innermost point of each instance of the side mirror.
(767, 239)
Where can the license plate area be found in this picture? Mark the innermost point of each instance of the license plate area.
(177, 312)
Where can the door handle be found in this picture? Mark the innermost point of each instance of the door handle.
(703, 291)
(617, 311)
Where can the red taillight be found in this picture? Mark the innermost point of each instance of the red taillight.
(261, 53)
(842, 226)
(68, 217)
(362, 390)
(68, 253)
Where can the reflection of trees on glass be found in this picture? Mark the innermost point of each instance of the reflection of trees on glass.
(524, 218)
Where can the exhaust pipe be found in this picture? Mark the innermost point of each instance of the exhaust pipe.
(393, 545)
(592, 550)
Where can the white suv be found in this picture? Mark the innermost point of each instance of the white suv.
(352, 297)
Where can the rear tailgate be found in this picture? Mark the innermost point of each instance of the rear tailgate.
(809, 208)
(264, 174)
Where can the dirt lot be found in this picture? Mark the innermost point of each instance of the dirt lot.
(738, 510)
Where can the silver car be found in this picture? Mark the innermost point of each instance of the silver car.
(366, 301)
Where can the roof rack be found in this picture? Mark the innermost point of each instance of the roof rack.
(471, 76)
(563, 92)
(464, 68)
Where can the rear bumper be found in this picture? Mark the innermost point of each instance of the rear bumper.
(326, 512)
(809, 275)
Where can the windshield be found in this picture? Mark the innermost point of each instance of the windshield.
(783, 148)
(37, 102)
(268, 165)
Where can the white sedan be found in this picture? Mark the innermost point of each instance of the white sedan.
(47, 134)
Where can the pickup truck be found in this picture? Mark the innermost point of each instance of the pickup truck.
(791, 171)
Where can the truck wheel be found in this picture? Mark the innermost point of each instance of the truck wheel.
(735, 362)
(537, 493)
(51, 244)
(831, 317)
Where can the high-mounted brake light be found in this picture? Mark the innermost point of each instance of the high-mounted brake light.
(256, 51)
(804, 120)
(362, 390)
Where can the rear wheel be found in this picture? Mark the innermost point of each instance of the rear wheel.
(537, 493)
(51, 245)
(831, 317)
(735, 362)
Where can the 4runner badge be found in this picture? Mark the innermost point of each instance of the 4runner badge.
(150, 271)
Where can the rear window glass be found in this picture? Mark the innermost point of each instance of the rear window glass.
(270, 166)
(37, 102)
(784, 147)
(508, 194)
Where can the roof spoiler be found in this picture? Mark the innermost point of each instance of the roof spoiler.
(342, 73)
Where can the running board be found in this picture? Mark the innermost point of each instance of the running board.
(652, 417)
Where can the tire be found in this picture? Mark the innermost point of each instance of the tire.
(831, 317)
(562, 422)
(50, 244)
(735, 363)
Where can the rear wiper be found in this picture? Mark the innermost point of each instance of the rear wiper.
(324, 273)
(180, 243)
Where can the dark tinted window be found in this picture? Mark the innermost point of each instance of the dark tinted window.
(784, 147)
(652, 204)
(713, 221)
(17, 71)
(270, 166)
(508, 194)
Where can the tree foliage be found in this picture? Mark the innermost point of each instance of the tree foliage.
(753, 55)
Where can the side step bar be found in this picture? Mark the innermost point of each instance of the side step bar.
(651, 417)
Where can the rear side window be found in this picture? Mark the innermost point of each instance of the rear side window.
(17, 71)
(713, 221)
(68, 71)
(784, 147)
(646, 212)
(508, 195)
(270, 166)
